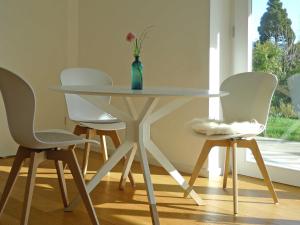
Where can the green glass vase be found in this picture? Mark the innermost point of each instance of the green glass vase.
(137, 74)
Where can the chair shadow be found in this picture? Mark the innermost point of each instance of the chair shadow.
(106, 215)
(205, 217)
(281, 191)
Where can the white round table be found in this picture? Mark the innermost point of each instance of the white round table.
(138, 128)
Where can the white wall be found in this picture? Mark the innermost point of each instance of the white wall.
(242, 46)
(175, 54)
(33, 42)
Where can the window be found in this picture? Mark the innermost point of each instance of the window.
(275, 41)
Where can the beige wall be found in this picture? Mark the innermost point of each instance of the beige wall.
(33, 42)
(175, 54)
(39, 38)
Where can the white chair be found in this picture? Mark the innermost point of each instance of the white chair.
(249, 98)
(90, 119)
(294, 84)
(38, 146)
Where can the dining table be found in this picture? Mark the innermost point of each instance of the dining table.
(138, 131)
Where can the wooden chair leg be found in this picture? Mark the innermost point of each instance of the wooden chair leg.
(11, 180)
(201, 159)
(78, 178)
(262, 167)
(117, 142)
(35, 159)
(62, 182)
(78, 130)
(90, 134)
(226, 167)
(127, 166)
(234, 177)
(103, 147)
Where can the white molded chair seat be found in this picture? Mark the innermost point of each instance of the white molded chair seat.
(104, 126)
(105, 122)
(103, 117)
(59, 138)
(19, 101)
(249, 98)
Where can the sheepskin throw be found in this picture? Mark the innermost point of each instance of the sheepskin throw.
(216, 127)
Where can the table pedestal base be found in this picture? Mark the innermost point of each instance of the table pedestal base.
(138, 139)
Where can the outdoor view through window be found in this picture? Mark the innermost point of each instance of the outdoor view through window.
(276, 50)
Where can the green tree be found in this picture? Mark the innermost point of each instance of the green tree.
(275, 25)
(267, 57)
(276, 53)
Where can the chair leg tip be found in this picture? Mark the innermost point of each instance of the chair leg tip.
(122, 184)
(67, 210)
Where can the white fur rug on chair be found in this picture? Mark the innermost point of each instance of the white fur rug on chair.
(216, 127)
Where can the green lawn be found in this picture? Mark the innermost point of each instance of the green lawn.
(279, 127)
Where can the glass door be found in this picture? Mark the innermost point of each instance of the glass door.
(276, 50)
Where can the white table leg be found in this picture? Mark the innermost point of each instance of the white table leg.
(127, 166)
(148, 109)
(143, 122)
(148, 117)
(155, 151)
(120, 152)
(149, 185)
(164, 162)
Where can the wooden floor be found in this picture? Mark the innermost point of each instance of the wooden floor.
(130, 206)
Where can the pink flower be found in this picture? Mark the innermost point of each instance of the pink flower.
(130, 37)
(137, 41)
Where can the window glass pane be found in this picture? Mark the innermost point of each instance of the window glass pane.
(276, 50)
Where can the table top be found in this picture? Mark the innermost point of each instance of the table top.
(147, 91)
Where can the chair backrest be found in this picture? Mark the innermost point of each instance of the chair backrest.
(79, 109)
(294, 88)
(19, 101)
(250, 96)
